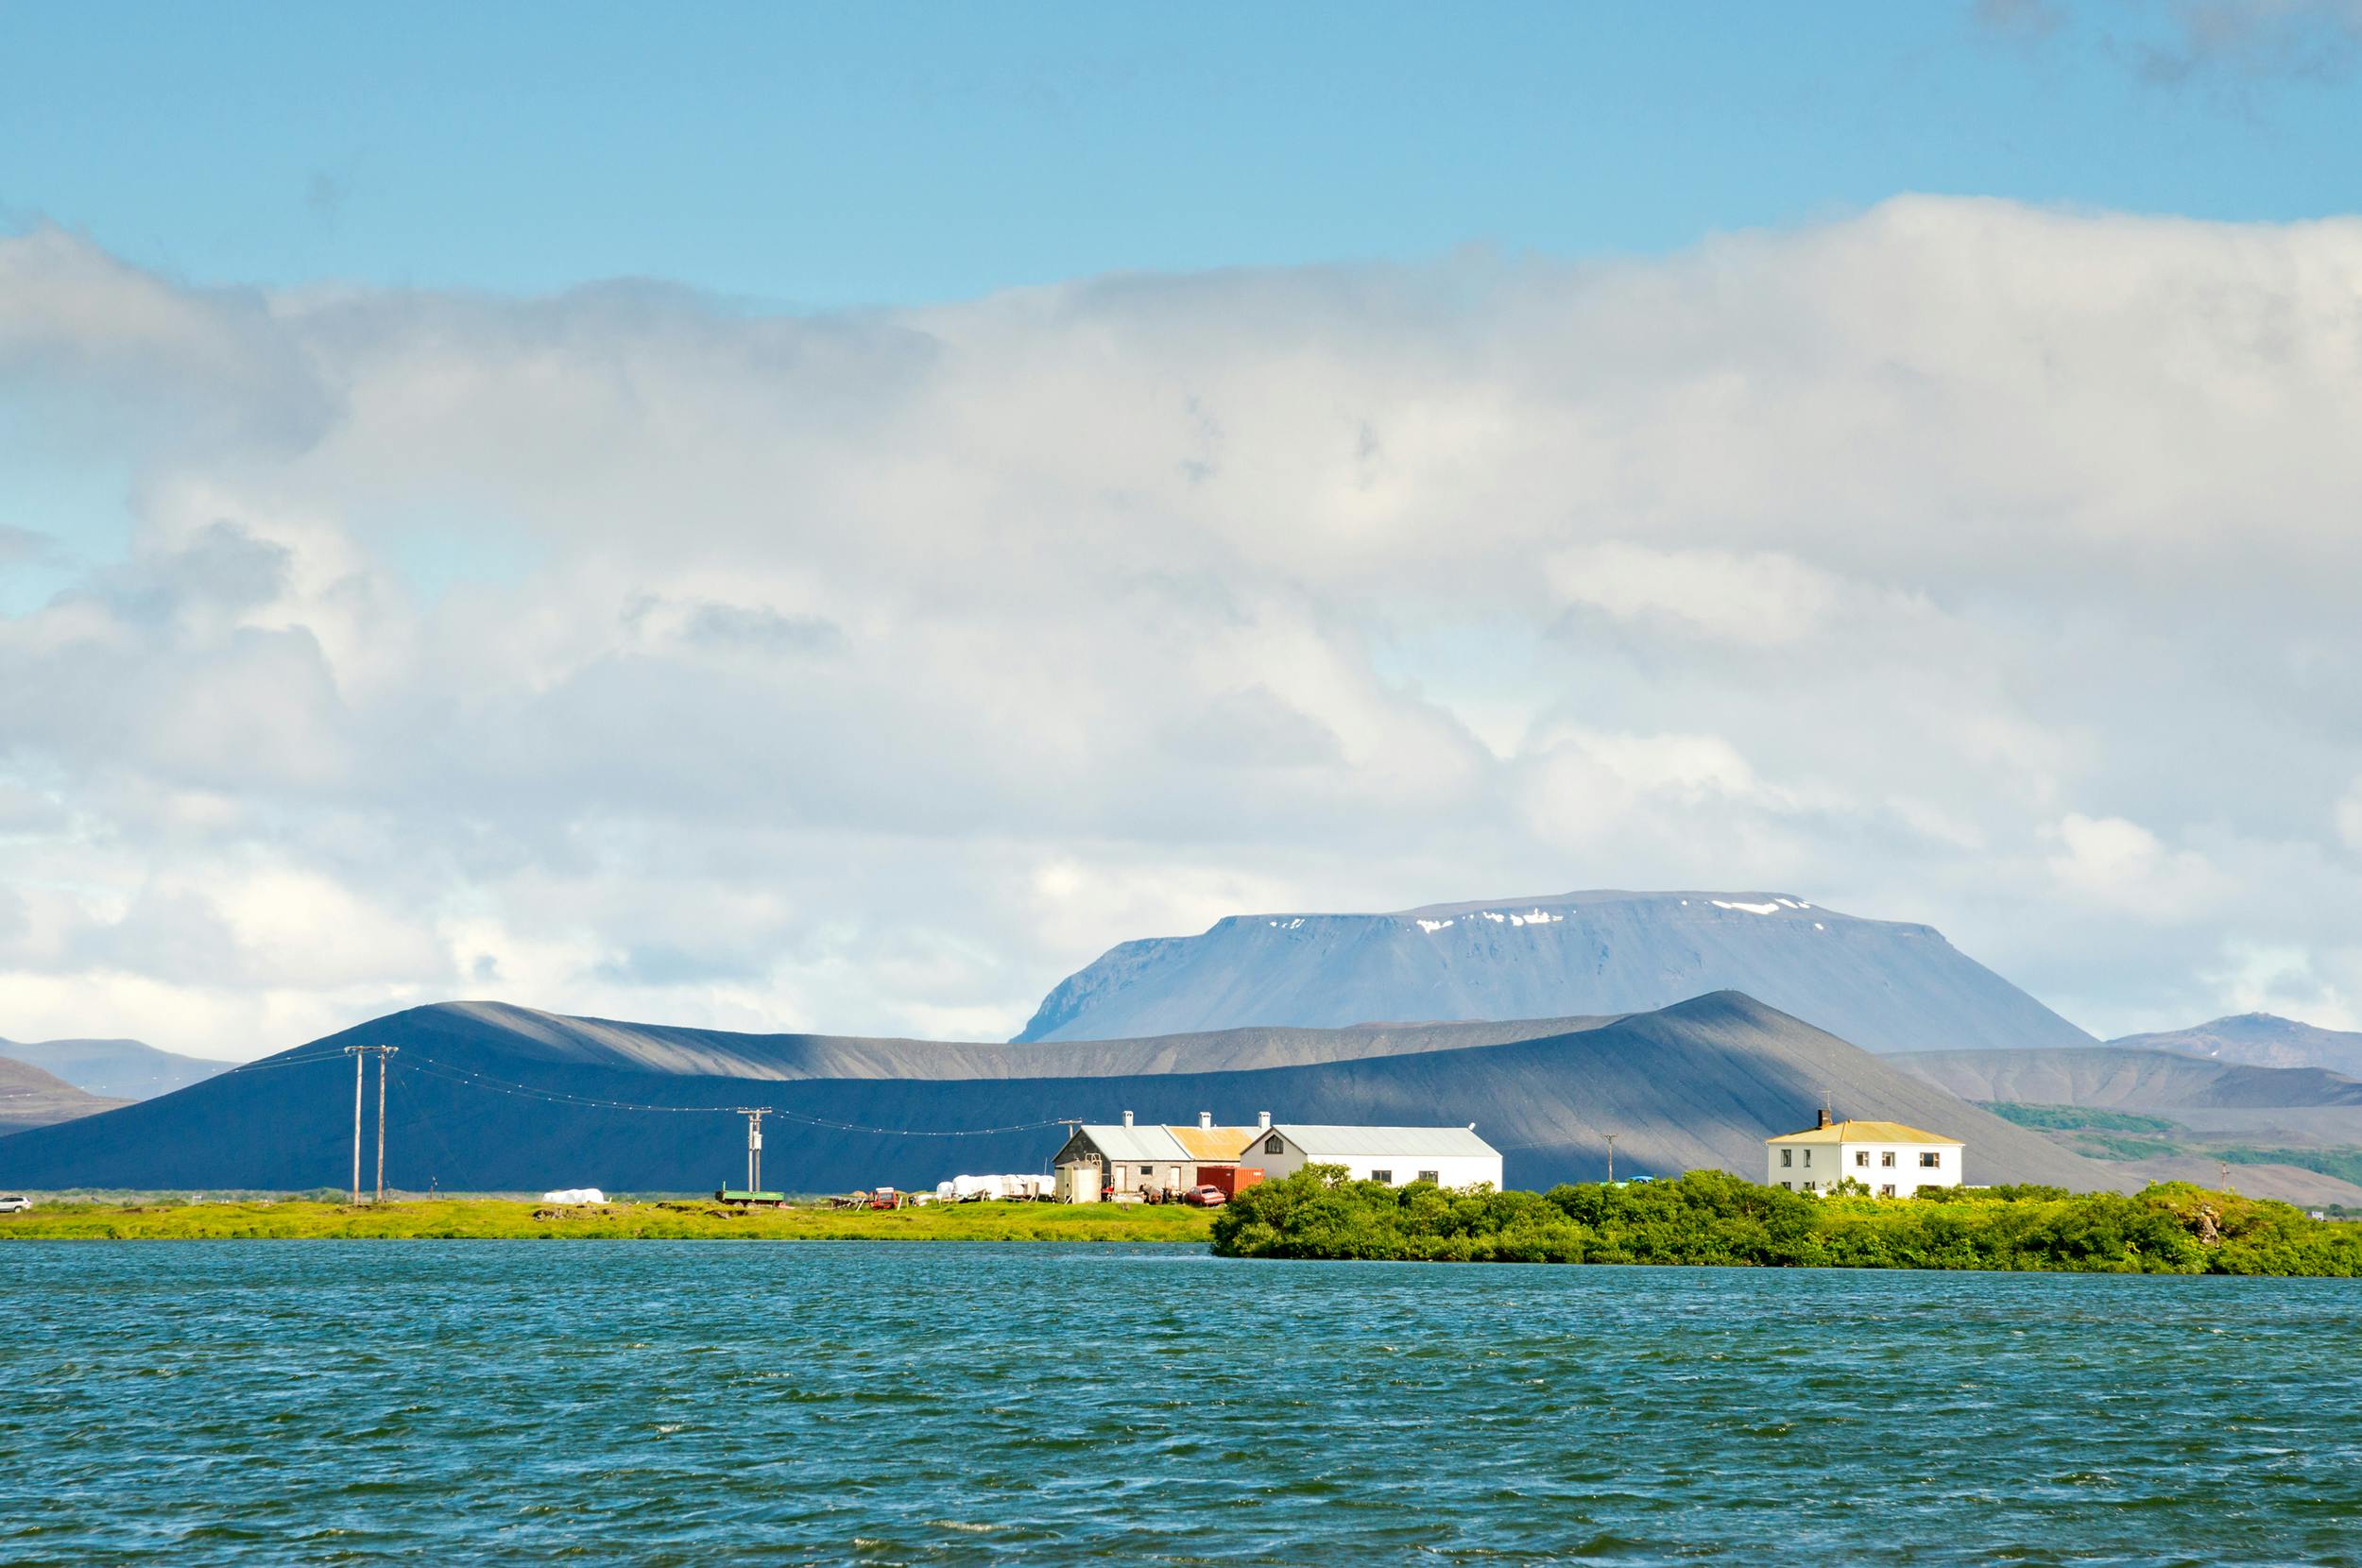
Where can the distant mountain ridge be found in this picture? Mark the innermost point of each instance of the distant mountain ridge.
(1883, 985)
(487, 1097)
(31, 1098)
(2114, 1077)
(2261, 1040)
(114, 1070)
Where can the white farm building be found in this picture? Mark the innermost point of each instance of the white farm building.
(1449, 1156)
(1141, 1159)
(1887, 1157)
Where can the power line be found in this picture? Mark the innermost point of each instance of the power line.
(474, 1078)
(418, 1114)
(269, 1063)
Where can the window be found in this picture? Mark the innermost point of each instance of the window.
(1435, 1176)
(1808, 1156)
(1788, 1157)
(1385, 1176)
(1789, 1185)
(1886, 1189)
(1807, 1187)
(1886, 1157)
(1861, 1157)
(1273, 1145)
(1930, 1160)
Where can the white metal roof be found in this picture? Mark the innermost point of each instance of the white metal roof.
(1350, 1141)
(1146, 1142)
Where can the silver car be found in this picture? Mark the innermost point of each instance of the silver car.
(14, 1202)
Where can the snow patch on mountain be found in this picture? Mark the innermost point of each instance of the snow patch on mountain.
(1886, 986)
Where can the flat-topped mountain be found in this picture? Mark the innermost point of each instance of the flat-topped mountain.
(1883, 985)
(484, 1096)
(2259, 1039)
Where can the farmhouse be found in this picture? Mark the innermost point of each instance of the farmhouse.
(1891, 1160)
(1127, 1159)
(1449, 1156)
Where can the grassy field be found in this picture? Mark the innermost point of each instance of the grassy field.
(2124, 1136)
(500, 1219)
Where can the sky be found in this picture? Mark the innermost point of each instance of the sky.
(799, 518)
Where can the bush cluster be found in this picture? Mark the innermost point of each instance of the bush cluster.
(1708, 1216)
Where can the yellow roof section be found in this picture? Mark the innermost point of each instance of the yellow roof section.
(1864, 1131)
(1220, 1144)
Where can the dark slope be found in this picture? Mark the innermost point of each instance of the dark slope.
(2261, 1040)
(670, 1049)
(1883, 985)
(2109, 1077)
(114, 1070)
(30, 1098)
(1698, 1084)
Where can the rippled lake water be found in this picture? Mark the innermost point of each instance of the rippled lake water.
(880, 1403)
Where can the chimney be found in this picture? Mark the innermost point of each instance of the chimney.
(1205, 1120)
(1127, 1120)
(1823, 1122)
(1262, 1121)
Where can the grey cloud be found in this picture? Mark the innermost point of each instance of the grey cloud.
(112, 356)
(1251, 727)
(2176, 43)
(757, 629)
(222, 569)
(659, 966)
(2030, 20)
(169, 935)
(2315, 39)
(21, 547)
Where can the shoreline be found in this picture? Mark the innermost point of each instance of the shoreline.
(668, 1220)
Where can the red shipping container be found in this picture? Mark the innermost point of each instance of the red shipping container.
(1233, 1180)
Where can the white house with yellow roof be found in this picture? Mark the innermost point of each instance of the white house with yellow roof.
(1891, 1160)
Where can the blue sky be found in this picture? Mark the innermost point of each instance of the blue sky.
(809, 156)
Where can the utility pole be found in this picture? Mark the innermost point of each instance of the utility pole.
(754, 1145)
(357, 1053)
(354, 1051)
(1611, 1159)
(381, 1066)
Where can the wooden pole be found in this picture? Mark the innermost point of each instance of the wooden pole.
(357, 1128)
(380, 1124)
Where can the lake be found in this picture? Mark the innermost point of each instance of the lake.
(692, 1403)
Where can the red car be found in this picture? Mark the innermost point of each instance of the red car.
(1205, 1196)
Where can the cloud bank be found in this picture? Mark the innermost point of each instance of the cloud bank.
(624, 652)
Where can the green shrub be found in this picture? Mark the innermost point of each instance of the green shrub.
(1708, 1216)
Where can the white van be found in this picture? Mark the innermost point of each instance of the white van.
(14, 1202)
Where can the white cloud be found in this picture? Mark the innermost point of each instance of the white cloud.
(2350, 817)
(619, 652)
(1750, 597)
(2121, 864)
(2281, 979)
